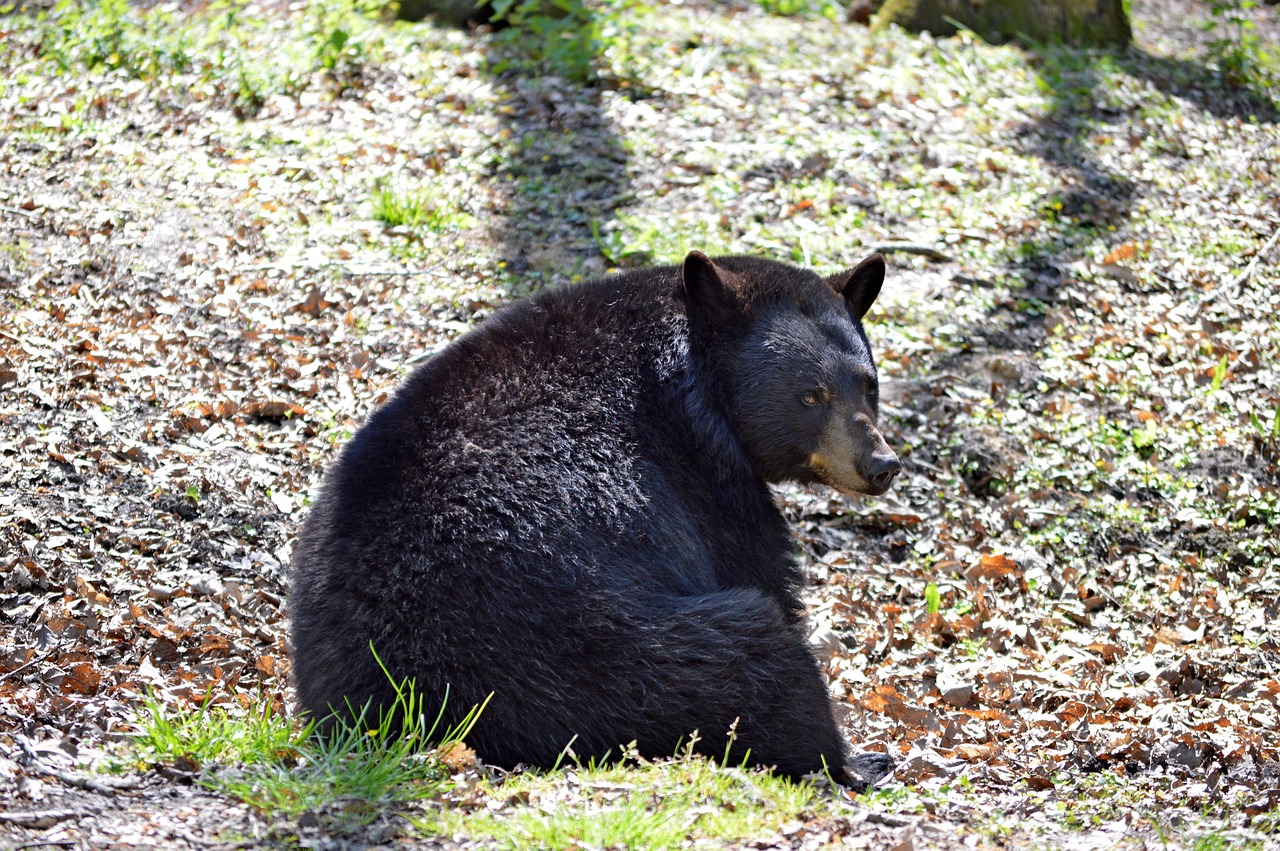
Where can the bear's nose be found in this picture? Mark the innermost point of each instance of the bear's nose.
(883, 474)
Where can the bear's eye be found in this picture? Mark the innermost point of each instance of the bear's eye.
(811, 397)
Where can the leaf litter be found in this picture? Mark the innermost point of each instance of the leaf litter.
(1077, 344)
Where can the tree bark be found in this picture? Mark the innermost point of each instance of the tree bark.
(1082, 22)
(451, 13)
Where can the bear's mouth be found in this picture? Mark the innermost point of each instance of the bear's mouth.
(842, 477)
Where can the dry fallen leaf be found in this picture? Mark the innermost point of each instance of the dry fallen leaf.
(1108, 652)
(82, 678)
(1125, 251)
(88, 592)
(971, 752)
(272, 409)
(457, 756)
(993, 565)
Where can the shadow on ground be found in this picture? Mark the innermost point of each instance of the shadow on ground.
(1092, 198)
(564, 169)
(1093, 106)
(1095, 198)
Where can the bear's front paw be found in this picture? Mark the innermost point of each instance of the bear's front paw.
(865, 769)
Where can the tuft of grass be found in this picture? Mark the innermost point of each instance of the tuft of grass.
(211, 734)
(1241, 55)
(804, 8)
(353, 771)
(396, 208)
(636, 804)
(932, 598)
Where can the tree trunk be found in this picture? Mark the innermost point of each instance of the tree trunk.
(1084, 22)
(451, 13)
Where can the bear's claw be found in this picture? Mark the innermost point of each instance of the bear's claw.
(865, 769)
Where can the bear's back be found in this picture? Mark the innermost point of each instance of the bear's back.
(556, 443)
(530, 422)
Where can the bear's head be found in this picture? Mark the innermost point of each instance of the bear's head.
(803, 385)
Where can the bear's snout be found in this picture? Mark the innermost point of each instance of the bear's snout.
(853, 457)
(877, 464)
(884, 469)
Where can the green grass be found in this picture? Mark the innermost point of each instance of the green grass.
(565, 38)
(213, 734)
(358, 773)
(350, 773)
(637, 804)
(396, 208)
(807, 8)
(634, 241)
(226, 51)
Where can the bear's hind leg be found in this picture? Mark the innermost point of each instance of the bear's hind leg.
(732, 659)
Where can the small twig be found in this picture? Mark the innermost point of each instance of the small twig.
(1238, 284)
(911, 248)
(24, 666)
(89, 783)
(970, 234)
(39, 818)
(916, 462)
(974, 282)
(281, 267)
(404, 273)
(30, 214)
(1257, 152)
(1253, 264)
(951, 376)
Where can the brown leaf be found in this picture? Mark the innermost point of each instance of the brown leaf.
(88, 592)
(1120, 253)
(1039, 782)
(971, 752)
(887, 700)
(314, 304)
(214, 645)
(82, 678)
(457, 756)
(1108, 652)
(224, 409)
(930, 624)
(993, 565)
(273, 409)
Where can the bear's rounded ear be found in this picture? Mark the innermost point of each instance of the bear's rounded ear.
(860, 285)
(706, 288)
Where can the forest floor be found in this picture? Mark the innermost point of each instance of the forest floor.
(227, 232)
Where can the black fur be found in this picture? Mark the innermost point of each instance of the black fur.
(560, 509)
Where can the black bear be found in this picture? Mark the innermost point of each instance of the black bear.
(568, 508)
